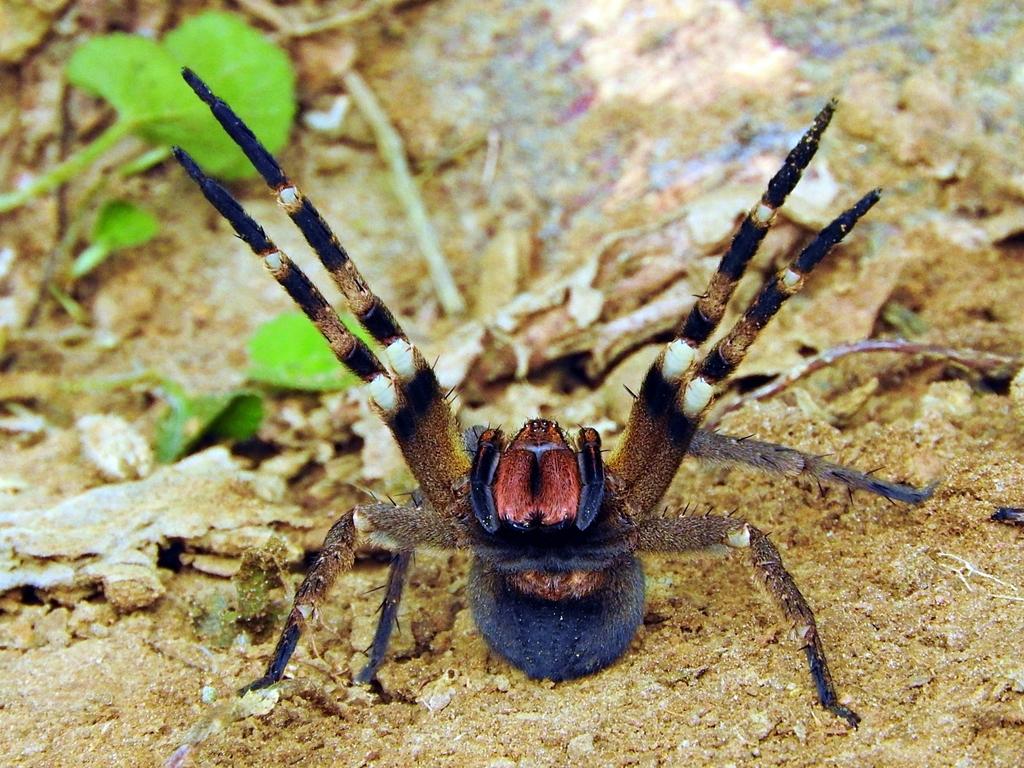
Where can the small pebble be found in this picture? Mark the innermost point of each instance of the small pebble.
(114, 447)
(581, 746)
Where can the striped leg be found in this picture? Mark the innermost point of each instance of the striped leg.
(717, 534)
(732, 348)
(707, 312)
(679, 387)
(350, 351)
(365, 305)
(409, 399)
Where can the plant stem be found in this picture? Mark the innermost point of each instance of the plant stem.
(988, 362)
(389, 144)
(145, 161)
(88, 260)
(67, 169)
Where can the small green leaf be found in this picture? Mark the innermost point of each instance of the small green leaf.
(289, 352)
(137, 76)
(123, 225)
(118, 225)
(142, 80)
(88, 260)
(233, 415)
(240, 419)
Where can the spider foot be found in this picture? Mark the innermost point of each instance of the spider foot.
(366, 675)
(851, 717)
(257, 685)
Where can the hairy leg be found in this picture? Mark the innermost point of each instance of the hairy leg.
(335, 556)
(397, 529)
(404, 529)
(388, 616)
(407, 395)
(770, 457)
(717, 534)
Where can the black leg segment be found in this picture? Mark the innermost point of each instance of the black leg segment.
(388, 616)
(707, 312)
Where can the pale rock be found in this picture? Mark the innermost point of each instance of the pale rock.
(110, 536)
(114, 447)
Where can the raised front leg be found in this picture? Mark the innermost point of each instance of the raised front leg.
(406, 392)
(719, 534)
(680, 386)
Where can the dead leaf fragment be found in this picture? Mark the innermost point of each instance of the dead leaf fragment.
(110, 536)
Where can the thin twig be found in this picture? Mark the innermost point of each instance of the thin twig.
(285, 26)
(969, 358)
(970, 569)
(391, 148)
(68, 168)
(491, 160)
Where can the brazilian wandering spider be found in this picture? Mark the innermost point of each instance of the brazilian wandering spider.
(555, 529)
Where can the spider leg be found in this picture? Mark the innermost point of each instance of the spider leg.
(707, 313)
(409, 398)
(730, 350)
(1010, 515)
(365, 305)
(335, 556)
(718, 534)
(678, 388)
(350, 351)
(403, 529)
(388, 616)
(770, 457)
(397, 529)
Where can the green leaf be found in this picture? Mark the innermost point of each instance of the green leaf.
(118, 225)
(123, 225)
(142, 80)
(232, 415)
(136, 75)
(245, 69)
(289, 352)
(240, 419)
(88, 260)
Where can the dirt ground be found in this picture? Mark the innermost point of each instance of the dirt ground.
(582, 163)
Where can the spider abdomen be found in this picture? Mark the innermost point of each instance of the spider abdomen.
(563, 638)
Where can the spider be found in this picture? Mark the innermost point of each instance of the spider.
(555, 586)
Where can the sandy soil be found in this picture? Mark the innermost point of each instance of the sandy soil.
(608, 119)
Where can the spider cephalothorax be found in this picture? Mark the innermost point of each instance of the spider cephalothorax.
(556, 584)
